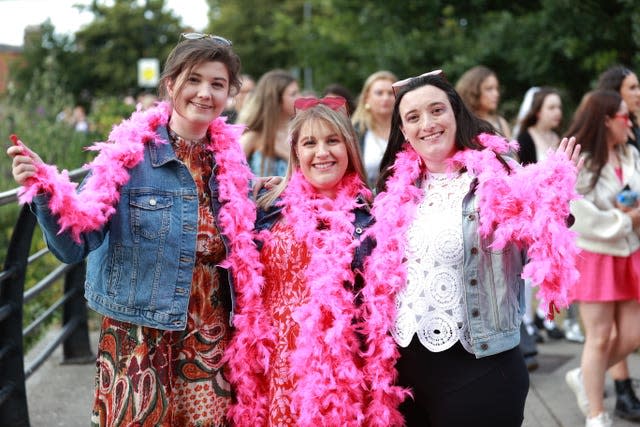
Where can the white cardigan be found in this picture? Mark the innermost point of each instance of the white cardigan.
(601, 227)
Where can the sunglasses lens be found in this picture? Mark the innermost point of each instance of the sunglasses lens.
(198, 36)
(193, 36)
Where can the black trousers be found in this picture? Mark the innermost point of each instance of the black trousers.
(454, 389)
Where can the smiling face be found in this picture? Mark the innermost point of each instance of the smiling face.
(198, 98)
(322, 154)
(429, 124)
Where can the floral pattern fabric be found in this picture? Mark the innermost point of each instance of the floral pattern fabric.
(285, 261)
(151, 377)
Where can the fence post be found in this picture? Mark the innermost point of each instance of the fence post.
(76, 348)
(14, 411)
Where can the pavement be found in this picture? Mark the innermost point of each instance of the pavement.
(61, 395)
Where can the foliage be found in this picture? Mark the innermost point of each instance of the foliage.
(108, 49)
(107, 112)
(544, 42)
(550, 42)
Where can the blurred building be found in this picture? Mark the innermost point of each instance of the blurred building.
(8, 54)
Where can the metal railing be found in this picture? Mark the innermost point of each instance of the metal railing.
(73, 334)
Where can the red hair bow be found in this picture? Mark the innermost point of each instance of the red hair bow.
(333, 102)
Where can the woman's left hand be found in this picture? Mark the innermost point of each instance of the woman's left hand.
(267, 182)
(569, 147)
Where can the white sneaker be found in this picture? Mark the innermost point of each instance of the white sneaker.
(601, 420)
(572, 331)
(574, 381)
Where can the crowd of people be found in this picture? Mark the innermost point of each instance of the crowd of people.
(262, 256)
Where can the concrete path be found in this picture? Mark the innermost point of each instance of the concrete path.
(61, 395)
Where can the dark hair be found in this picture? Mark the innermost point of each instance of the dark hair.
(531, 118)
(612, 79)
(469, 126)
(189, 53)
(589, 129)
(338, 89)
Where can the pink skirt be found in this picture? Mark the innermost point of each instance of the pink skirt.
(607, 277)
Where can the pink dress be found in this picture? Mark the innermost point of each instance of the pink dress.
(606, 277)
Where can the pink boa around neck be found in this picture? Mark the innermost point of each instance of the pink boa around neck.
(331, 386)
(528, 206)
(91, 208)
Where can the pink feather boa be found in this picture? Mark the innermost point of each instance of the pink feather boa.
(90, 209)
(331, 386)
(528, 206)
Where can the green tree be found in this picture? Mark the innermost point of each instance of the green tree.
(107, 50)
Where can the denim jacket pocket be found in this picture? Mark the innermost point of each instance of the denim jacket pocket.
(150, 215)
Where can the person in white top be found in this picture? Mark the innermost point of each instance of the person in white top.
(372, 120)
(448, 268)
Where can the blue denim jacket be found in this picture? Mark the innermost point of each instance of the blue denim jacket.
(140, 264)
(493, 286)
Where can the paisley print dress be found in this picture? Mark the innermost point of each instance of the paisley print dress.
(151, 377)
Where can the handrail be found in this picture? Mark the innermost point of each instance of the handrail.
(74, 333)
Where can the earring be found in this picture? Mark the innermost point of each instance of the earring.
(367, 106)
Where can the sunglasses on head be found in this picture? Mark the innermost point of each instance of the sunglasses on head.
(402, 83)
(198, 36)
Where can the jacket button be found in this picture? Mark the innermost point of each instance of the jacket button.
(152, 202)
(473, 282)
(472, 217)
(358, 230)
(484, 346)
(475, 312)
(474, 251)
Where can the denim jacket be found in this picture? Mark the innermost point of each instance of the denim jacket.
(363, 219)
(140, 264)
(493, 286)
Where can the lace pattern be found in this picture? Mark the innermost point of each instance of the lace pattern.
(432, 303)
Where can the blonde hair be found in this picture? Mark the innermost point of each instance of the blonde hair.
(468, 86)
(261, 113)
(340, 123)
(362, 117)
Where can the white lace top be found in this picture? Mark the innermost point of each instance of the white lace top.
(432, 303)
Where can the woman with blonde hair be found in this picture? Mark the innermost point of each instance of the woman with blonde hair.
(372, 120)
(301, 354)
(266, 115)
(480, 90)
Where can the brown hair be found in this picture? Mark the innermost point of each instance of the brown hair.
(468, 86)
(589, 128)
(188, 54)
(531, 118)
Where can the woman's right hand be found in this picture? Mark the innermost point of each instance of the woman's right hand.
(24, 163)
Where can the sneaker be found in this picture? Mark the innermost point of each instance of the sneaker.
(601, 420)
(572, 331)
(574, 381)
